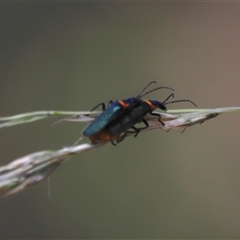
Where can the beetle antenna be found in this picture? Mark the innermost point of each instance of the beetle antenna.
(140, 96)
(183, 100)
(171, 95)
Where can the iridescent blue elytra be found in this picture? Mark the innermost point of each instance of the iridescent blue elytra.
(108, 114)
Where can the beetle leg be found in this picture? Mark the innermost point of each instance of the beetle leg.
(112, 142)
(159, 117)
(100, 104)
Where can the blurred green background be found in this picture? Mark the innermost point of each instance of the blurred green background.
(72, 56)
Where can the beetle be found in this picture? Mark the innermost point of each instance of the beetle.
(137, 115)
(125, 123)
(113, 110)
